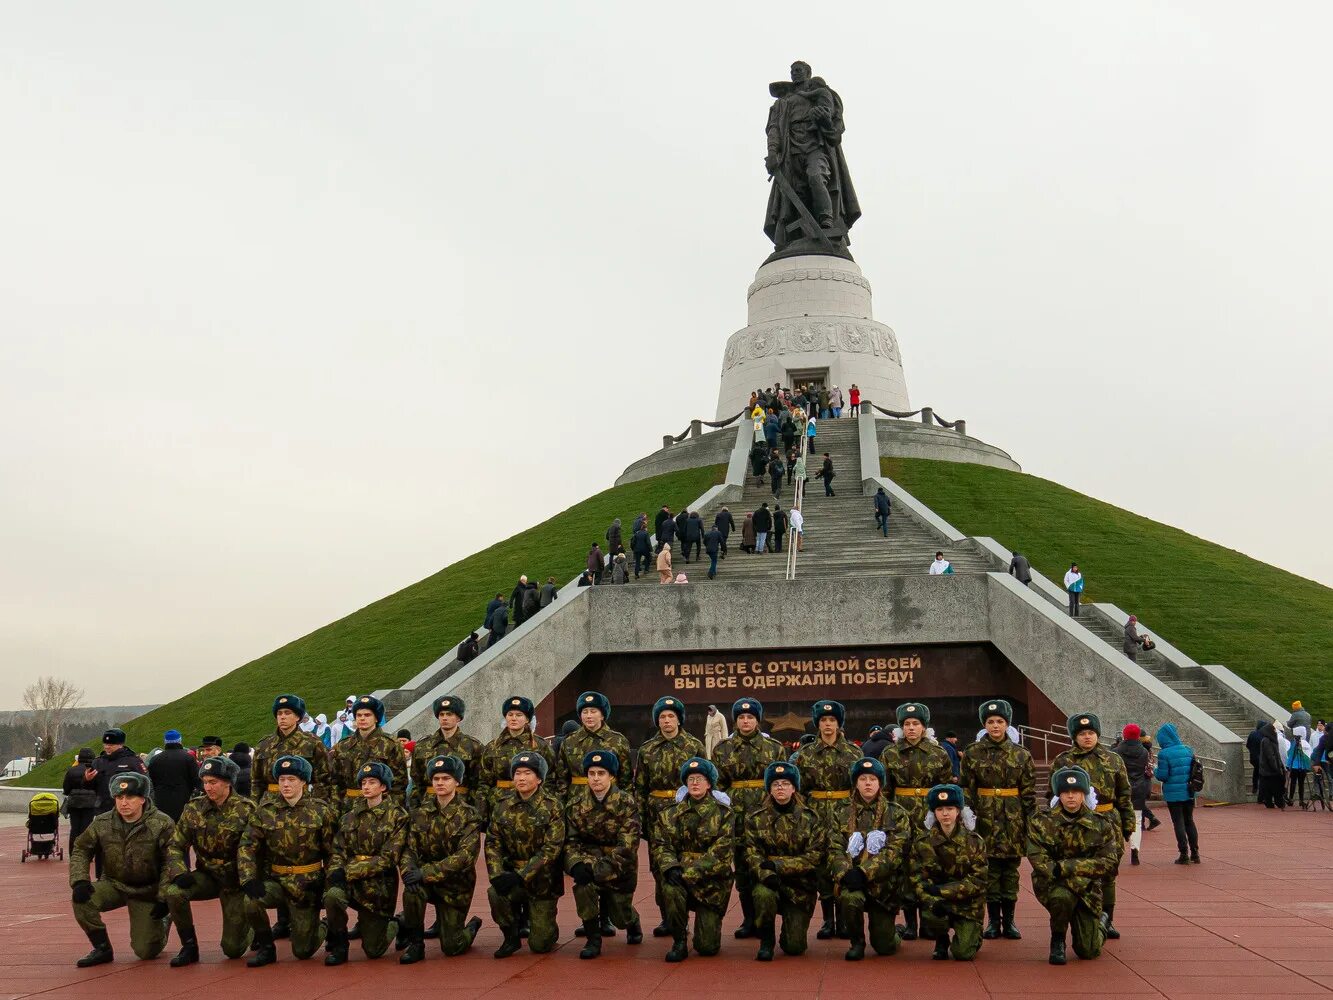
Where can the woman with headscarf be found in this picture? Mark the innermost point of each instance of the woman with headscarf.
(664, 564)
(1136, 757)
(1270, 770)
(322, 731)
(747, 533)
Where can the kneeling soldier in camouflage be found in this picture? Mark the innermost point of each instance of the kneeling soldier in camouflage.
(282, 858)
(949, 875)
(523, 846)
(133, 839)
(602, 851)
(363, 873)
(692, 848)
(212, 827)
(784, 846)
(871, 872)
(1073, 850)
(440, 862)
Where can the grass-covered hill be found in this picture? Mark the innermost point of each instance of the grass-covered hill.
(1271, 627)
(388, 642)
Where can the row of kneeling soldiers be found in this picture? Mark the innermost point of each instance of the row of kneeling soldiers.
(866, 838)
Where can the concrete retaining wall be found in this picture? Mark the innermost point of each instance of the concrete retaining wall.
(713, 448)
(15, 800)
(909, 438)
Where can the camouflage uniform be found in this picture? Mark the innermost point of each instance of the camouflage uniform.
(740, 762)
(1110, 780)
(443, 842)
(363, 873)
(1072, 858)
(788, 843)
(466, 748)
(999, 785)
(134, 874)
(655, 784)
(948, 876)
(526, 837)
(885, 872)
(568, 771)
(354, 751)
(826, 782)
(286, 849)
(605, 836)
(263, 786)
(697, 837)
(214, 834)
(911, 770)
(493, 766)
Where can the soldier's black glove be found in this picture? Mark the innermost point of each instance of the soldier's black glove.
(771, 881)
(338, 878)
(412, 876)
(676, 876)
(82, 891)
(768, 866)
(159, 911)
(254, 889)
(506, 882)
(185, 881)
(581, 873)
(855, 880)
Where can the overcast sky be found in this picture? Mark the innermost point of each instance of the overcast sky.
(301, 302)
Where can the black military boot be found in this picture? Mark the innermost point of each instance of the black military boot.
(472, 926)
(663, 929)
(1009, 929)
(746, 929)
(1111, 933)
(415, 950)
(1057, 956)
(335, 948)
(101, 953)
(264, 952)
(604, 908)
(524, 928)
(992, 930)
(404, 936)
(857, 935)
(592, 930)
(189, 953)
(828, 928)
(679, 950)
(432, 933)
(510, 944)
(766, 941)
(634, 933)
(941, 952)
(907, 929)
(354, 932)
(282, 929)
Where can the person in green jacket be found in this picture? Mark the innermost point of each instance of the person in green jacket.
(784, 846)
(949, 875)
(594, 709)
(133, 840)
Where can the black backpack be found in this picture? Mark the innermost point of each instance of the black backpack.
(1195, 784)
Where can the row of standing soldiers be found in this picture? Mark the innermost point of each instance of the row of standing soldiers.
(865, 838)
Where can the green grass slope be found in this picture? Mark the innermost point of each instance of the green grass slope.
(1271, 627)
(388, 642)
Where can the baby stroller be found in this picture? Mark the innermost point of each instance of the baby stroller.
(43, 828)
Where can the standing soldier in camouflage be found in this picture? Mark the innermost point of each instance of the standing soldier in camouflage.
(658, 777)
(913, 765)
(289, 740)
(741, 761)
(367, 743)
(524, 841)
(281, 861)
(871, 873)
(593, 709)
(211, 826)
(440, 863)
(363, 872)
(602, 851)
(447, 740)
(1110, 780)
(1072, 850)
(692, 848)
(516, 737)
(133, 839)
(785, 843)
(999, 784)
(826, 763)
(948, 873)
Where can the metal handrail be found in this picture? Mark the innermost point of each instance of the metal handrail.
(1060, 738)
(798, 499)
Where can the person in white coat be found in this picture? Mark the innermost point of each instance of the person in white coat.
(715, 730)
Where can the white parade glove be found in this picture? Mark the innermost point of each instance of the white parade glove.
(875, 841)
(681, 793)
(855, 844)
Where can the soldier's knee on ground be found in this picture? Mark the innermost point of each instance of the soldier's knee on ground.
(967, 940)
(883, 932)
(795, 933)
(587, 902)
(1088, 936)
(707, 931)
(765, 904)
(543, 932)
(933, 926)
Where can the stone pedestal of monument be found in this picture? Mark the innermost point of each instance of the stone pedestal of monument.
(810, 318)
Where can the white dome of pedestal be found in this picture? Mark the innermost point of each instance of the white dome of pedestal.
(806, 315)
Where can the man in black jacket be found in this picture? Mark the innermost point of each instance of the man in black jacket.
(763, 524)
(663, 516)
(826, 474)
(1252, 745)
(694, 534)
(779, 528)
(497, 601)
(724, 523)
(682, 523)
(712, 544)
(80, 796)
(175, 775)
(516, 601)
(642, 546)
(116, 758)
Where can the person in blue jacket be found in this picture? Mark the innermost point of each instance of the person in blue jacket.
(1174, 761)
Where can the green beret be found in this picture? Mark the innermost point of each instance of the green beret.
(996, 706)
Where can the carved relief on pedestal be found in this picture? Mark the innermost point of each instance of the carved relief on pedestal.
(807, 274)
(801, 336)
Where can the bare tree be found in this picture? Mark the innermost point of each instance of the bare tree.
(50, 700)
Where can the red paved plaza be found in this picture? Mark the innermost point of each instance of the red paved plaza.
(1255, 918)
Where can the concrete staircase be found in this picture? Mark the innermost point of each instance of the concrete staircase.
(840, 534)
